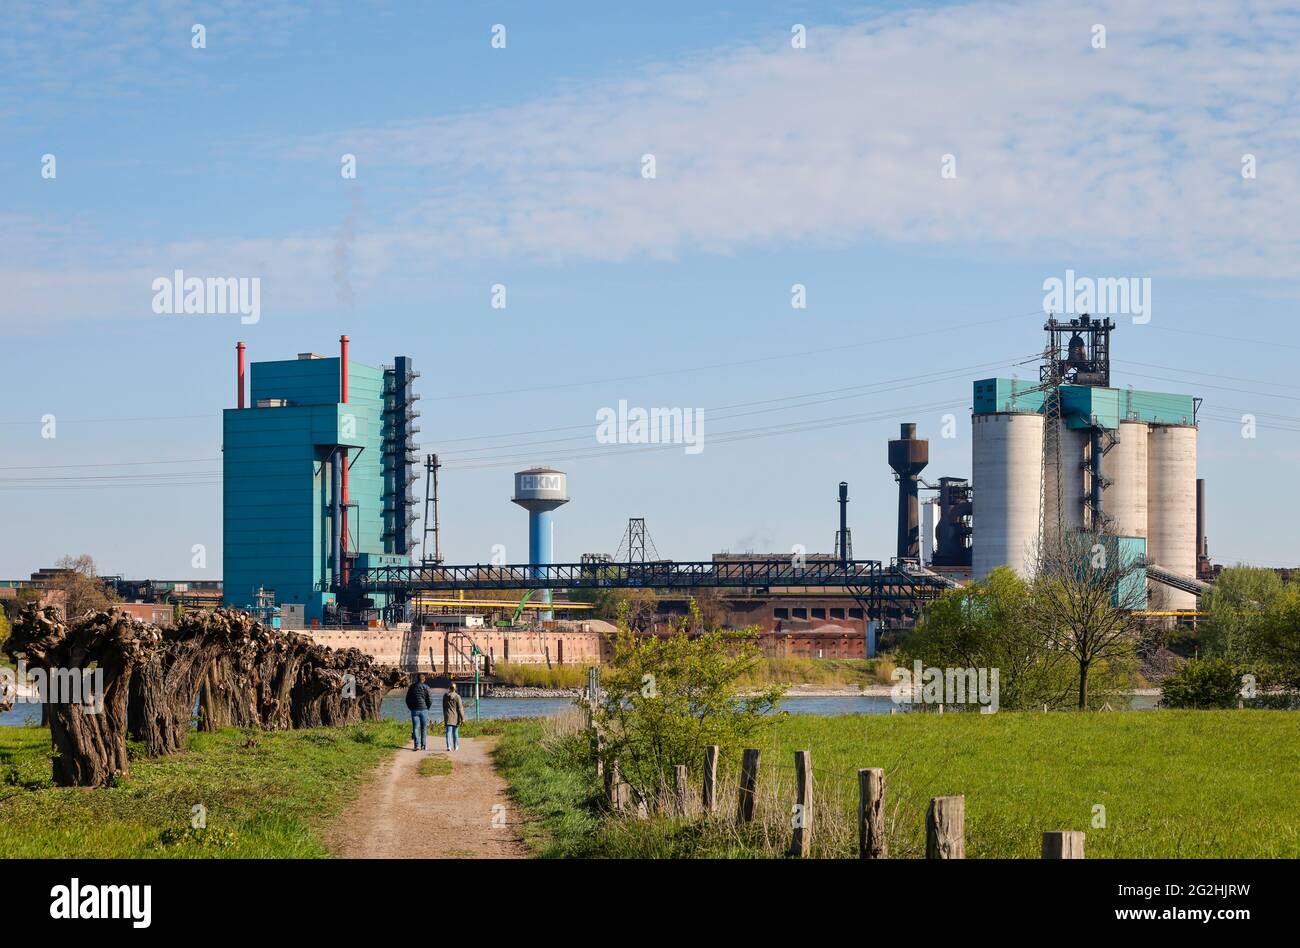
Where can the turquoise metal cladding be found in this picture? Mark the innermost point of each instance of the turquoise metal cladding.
(1082, 406)
(1158, 407)
(1132, 589)
(276, 486)
(1007, 395)
(1127, 552)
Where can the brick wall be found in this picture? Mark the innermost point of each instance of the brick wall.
(427, 650)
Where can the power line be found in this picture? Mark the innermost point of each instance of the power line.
(1271, 343)
(782, 357)
(884, 386)
(45, 467)
(726, 437)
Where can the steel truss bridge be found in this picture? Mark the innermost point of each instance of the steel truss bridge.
(885, 592)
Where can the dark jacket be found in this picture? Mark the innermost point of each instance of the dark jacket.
(453, 712)
(419, 697)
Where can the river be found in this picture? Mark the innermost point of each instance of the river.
(394, 707)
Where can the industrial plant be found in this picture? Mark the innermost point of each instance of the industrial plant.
(320, 461)
(318, 466)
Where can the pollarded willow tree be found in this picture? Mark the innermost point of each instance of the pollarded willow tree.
(149, 680)
(88, 664)
(165, 688)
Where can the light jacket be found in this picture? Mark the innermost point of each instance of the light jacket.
(453, 712)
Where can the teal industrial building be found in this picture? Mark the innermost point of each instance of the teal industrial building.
(317, 472)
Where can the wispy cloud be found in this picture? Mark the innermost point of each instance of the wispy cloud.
(1129, 152)
(1134, 149)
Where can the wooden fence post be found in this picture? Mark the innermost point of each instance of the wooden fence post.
(613, 786)
(679, 789)
(801, 843)
(710, 795)
(748, 786)
(871, 814)
(945, 828)
(1066, 845)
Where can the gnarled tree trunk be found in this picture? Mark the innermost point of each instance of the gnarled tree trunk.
(163, 692)
(100, 650)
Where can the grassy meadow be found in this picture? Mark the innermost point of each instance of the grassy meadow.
(1180, 784)
(266, 795)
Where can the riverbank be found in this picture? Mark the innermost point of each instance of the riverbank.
(793, 691)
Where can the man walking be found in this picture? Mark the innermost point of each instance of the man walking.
(453, 715)
(419, 699)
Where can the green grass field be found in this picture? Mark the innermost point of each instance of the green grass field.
(1183, 784)
(266, 794)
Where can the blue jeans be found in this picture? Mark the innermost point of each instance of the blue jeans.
(419, 723)
(453, 737)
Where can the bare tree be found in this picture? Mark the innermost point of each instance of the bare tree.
(1086, 597)
(82, 589)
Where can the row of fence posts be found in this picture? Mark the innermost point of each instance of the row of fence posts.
(945, 819)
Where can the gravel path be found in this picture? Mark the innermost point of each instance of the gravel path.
(401, 814)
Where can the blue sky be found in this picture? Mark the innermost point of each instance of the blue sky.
(522, 166)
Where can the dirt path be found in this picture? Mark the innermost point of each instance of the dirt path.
(402, 814)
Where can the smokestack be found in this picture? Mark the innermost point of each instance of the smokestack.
(908, 457)
(343, 369)
(844, 521)
(1202, 544)
(239, 358)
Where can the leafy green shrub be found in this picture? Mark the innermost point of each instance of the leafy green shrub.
(665, 699)
(208, 837)
(540, 676)
(1203, 683)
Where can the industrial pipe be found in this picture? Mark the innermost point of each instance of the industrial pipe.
(1202, 544)
(239, 357)
(343, 487)
(336, 518)
(1098, 517)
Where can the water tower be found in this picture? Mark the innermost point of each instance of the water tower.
(539, 490)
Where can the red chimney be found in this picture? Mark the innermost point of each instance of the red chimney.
(343, 369)
(239, 350)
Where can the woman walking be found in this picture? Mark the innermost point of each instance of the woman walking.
(453, 715)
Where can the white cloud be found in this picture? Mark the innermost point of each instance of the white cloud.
(1131, 153)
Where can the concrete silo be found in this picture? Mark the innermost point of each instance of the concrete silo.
(1007, 462)
(1125, 497)
(1171, 505)
(1074, 448)
(539, 490)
